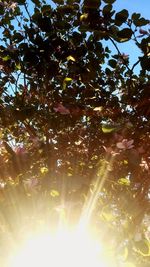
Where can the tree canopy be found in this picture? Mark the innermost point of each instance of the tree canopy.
(74, 120)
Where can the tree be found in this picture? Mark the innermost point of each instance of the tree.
(74, 117)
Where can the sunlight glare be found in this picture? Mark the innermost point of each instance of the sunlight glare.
(65, 248)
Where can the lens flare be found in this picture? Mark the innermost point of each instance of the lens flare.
(64, 248)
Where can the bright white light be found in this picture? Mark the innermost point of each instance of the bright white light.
(63, 249)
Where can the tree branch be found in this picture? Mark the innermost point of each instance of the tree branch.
(119, 53)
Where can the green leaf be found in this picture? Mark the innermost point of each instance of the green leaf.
(70, 2)
(1, 10)
(21, 2)
(124, 181)
(145, 63)
(59, 2)
(109, 1)
(92, 4)
(107, 9)
(108, 71)
(46, 8)
(108, 129)
(36, 2)
(6, 58)
(112, 63)
(140, 22)
(65, 9)
(18, 37)
(124, 35)
(135, 16)
(121, 17)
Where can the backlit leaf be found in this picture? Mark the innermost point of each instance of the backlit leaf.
(108, 129)
(98, 108)
(6, 58)
(65, 81)
(124, 181)
(54, 193)
(44, 170)
(84, 16)
(69, 174)
(18, 66)
(71, 58)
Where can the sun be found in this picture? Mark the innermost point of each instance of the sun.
(62, 249)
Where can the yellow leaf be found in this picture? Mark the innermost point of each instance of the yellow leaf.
(70, 168)
(124, 181)
(84, 16)
(54, 193)
(71, 58)
(44, 170)
(122, 40)
(94, 157)
(11, 181)
(98, 109)
(1, 134)
(65, 81)
(18, 66)
(106, 129)
(90, 167)
(82, 164)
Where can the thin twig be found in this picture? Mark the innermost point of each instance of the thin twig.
(26, 8)
(135, 64)
(119, 53)
(16, 83)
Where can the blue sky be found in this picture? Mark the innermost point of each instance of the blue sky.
(138, 6)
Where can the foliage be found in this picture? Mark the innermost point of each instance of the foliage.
(72, 113)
